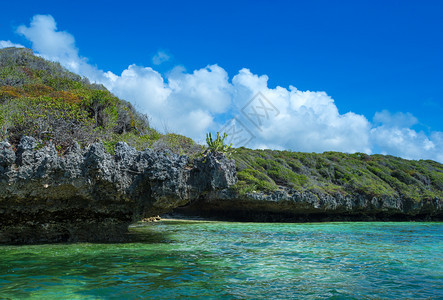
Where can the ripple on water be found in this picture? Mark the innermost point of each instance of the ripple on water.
(236, 260)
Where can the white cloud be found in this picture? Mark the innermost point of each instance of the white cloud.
(160, 57)
(7, 44)
(395, 120)
(307, 121)
(46, 40)
(394, 136)
(58, 46)
(193, 103)
(186, 104)
(143, 85)
(207, 88)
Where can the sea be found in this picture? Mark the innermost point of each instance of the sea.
(177, 259)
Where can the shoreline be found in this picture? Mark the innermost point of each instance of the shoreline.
(198, 219)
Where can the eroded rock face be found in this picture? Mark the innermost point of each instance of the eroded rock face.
(212, 173)
(289, 205)
(90, 195)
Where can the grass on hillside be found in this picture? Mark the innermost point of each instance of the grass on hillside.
(335, 172)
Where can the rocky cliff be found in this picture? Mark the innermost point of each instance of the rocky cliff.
(289, 205)
(91, 195)
(295, 186)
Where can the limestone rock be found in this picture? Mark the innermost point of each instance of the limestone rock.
(289, 205)
(91, 195)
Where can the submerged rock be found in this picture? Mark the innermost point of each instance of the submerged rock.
(91, 195)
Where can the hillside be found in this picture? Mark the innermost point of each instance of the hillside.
(42, 99)
(284, 186)
(338, 173)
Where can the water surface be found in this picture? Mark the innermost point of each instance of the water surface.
(207, 260)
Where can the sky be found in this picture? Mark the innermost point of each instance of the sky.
(312, 76)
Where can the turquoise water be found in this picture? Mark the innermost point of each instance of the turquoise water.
(207, 260)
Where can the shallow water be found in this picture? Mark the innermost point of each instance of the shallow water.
(236, 261)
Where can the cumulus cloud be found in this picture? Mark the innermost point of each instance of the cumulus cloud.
(59, 46)
(193, 103)
(46, 40)
(7, 44)
(207, 88)
(306, 121)
(398, 119)
(144, 86)
(394, 136)
(160, 57)
(186, 104)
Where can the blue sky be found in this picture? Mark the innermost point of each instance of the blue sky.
(381, 60)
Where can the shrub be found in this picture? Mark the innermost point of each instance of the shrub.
(218, 146)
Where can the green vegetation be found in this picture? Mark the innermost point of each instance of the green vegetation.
(42, 99)
(334, 172)
(218, 145)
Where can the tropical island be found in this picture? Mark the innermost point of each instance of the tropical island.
(79, 164)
